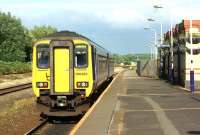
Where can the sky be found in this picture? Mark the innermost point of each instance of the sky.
(117, 25)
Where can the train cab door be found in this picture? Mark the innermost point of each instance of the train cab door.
(61, 67)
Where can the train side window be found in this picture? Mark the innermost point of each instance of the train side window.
(80, 56)
(43, 56)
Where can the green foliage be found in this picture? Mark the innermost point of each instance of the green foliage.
(35, 34)
(118, 58)
(14, 67)
(16, 41)
(29, 45)
(128, 58)
(12, 38)
(143, 56)
(41, 31)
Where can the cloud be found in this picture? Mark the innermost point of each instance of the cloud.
(121, 17)
(179, 9)
(115, 13)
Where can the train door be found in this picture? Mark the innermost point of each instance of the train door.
(61, 66)
(94, 64)
(61, 69)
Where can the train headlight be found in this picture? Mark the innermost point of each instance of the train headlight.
(42, 84)
(82, 84)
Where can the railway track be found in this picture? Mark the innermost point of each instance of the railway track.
(37, 127)
(61, 125)
(15, 88)
(51, 127)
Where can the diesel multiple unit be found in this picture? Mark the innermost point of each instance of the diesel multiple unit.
(68, 68)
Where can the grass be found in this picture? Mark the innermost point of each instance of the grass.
(14, 67)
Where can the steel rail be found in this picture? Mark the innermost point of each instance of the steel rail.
(15, 88)
(42, 123)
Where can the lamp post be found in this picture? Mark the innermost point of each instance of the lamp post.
(171, 71)
(161, 29)
(157, 6)
(171, 74)
(151, 52)
(155, 39)
(161, 40)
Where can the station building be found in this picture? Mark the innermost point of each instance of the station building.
(182, 54)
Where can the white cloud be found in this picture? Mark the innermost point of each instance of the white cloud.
(115, 13)
(180, 9)
(121, 17)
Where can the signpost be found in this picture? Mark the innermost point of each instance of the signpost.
(192, 87)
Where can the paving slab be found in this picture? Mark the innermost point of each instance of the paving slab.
(98, 122)
(139, 106)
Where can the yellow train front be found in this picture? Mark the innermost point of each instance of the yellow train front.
(67, 69)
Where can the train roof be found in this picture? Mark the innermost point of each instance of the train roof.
(70, 35)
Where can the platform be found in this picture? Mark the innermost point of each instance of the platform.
(143, 106)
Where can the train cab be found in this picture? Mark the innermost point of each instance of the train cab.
(67, 69)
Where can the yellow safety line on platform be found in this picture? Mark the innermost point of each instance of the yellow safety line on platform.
(80, 123)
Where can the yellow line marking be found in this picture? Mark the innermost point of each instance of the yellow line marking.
(158, 110)
(80, 123)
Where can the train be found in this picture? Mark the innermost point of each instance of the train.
(181, 59)
(67, 69)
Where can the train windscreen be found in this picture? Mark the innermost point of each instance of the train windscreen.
(80, 56)
(43, 56)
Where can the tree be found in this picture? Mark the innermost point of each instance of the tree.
(117, 58)
(41, 31)
(128, 58)
(35, 34)
(12, 38)
(29, 45)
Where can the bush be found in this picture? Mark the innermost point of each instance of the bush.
(14, 67)
(13, 38)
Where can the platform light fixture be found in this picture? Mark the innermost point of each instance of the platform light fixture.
(171, 72)
(151, 48)
(157, 6)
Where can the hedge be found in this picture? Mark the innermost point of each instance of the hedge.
(14, 67)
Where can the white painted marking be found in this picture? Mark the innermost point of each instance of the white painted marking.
(120, 126)
(166, 124)
(87, 114)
